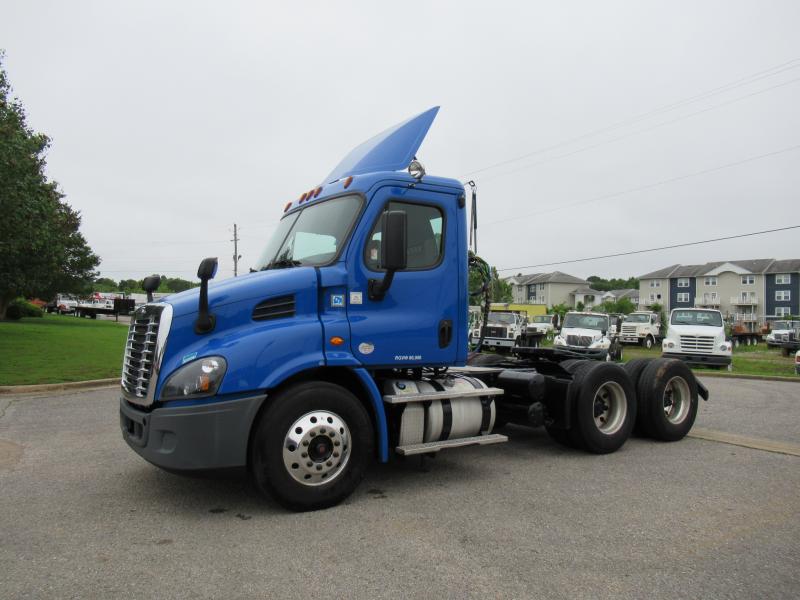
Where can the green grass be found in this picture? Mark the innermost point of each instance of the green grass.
(747, 360)
(55, 349)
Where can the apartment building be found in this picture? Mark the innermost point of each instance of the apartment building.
(548, 289)
(747, 291)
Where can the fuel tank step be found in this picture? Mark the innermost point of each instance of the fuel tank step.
(426, 448)
(445, 395)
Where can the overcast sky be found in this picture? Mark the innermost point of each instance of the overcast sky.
(171, 121)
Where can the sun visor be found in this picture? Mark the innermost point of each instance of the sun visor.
(391, 150)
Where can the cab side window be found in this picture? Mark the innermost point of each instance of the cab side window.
(425, 226)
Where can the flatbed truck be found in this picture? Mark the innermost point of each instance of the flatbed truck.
(349, 343)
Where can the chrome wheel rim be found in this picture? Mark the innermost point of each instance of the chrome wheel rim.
(610, 407)
(677, 400)
(316, 448)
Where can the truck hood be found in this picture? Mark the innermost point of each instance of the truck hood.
(254, 286)
(391, 150)
(592, 333)
(695, 330)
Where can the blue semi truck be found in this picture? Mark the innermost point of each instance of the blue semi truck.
(348, 343)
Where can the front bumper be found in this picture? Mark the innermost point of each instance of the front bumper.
(191, 438)
(499, 342)
(699, 359)
(593, 353)
(630, 339)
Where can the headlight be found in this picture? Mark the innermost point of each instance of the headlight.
(725, 347)
(196, 379)
(669, 344)
(559, 341)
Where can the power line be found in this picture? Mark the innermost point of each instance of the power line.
(748, 79)
(646, 186)
(719, 239)
(638, 131)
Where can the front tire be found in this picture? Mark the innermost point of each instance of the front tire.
(649, 342)
(311, 447)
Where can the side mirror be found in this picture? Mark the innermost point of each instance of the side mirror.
(394, 251)
(394, 236)
(150, 285)
(205, 321)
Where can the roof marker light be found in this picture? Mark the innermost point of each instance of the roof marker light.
(287, 207)
(303, 197)
(348, 181)
(318, 191)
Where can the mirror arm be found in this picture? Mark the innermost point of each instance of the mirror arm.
(378, 288)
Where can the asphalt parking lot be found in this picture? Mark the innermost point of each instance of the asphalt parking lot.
(83, 516)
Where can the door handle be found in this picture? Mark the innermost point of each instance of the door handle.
(445, 332)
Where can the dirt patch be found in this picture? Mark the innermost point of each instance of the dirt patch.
(10, 454)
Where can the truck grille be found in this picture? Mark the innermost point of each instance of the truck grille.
(697, 343)
(579, 340)
(143, 350)
(629, 329)
(494, 332)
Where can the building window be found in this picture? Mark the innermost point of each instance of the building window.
(783, 296)
(783, 279)
(683, 297)
(541, 299)
(683, 282)
(541, 287)
(652, 297)
(655, 284)
(748, 279)
(711, 281)
(782, 311)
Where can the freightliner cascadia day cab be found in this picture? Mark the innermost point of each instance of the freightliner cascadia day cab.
(349, 343)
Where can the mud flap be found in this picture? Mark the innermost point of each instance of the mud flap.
(701, 389)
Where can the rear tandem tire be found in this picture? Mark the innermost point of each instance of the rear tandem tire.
(667, 393)
(604, 407)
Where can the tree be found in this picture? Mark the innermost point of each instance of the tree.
(604, 285)
(501, 290)
(104, 284)
(579, 306)
(41, 248)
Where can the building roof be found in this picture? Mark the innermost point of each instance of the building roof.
(754, 265)
(791, 265)
(623, 293)
(586, 290)
(554, 277)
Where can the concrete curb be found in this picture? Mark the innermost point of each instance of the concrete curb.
(744, 376)
(57, 387)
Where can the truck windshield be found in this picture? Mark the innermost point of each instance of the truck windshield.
(711, 318)
(576, 321)
(637, 318)
(542, 318)
(504, 318)
(781, 325)
(311, 236)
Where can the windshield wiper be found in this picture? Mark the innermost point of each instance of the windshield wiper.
(282, 263)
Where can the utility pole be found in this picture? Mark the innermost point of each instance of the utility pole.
(236, 255)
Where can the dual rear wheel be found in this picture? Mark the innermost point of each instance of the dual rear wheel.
(656, 398)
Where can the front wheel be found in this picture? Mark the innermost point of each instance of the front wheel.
(649, 342)
(311, 446)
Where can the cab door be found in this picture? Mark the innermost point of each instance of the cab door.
(415, 322)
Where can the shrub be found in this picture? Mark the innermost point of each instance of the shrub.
(22, 308)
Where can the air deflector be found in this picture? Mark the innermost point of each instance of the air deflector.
(391, 150)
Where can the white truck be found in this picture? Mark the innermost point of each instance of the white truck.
(643, 328)
(544, 324)
(591, 334)
(697, 336)
(779, 332)
(503, 331)
(62, 304)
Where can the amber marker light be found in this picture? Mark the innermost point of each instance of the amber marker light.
(337, 341)
(303, 197)
(348, 181)
(287, 207)
(318, 191)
